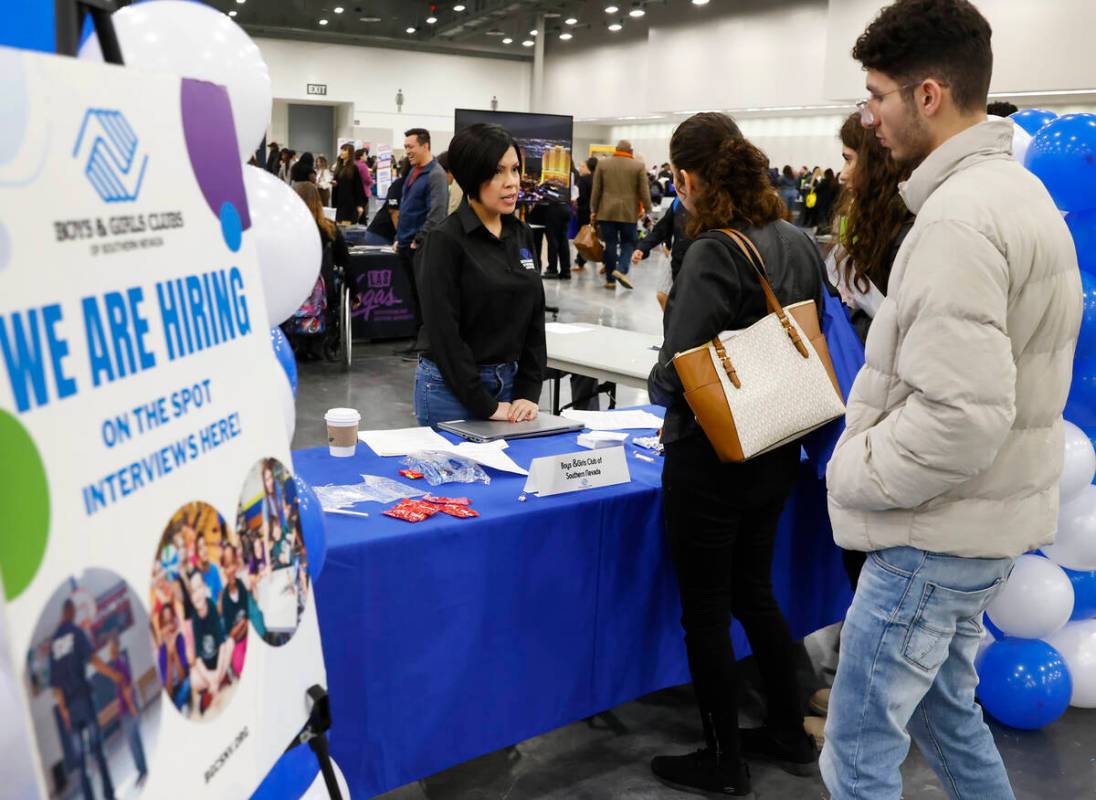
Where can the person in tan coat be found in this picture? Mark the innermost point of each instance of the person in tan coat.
(620, 196)
(949, 465)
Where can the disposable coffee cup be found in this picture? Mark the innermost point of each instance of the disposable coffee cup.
(342, 431)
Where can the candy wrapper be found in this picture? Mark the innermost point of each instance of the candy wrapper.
(461, 512)
(446, 501)
(410, 473)
(412, 511)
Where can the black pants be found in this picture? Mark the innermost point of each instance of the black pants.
(557, 220)
(407, 264)
(721, 520)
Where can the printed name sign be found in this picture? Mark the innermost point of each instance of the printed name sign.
(159, 609)
(574, 472)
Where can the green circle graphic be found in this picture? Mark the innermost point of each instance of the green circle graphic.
(24, 496)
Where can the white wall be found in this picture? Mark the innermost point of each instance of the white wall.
(433, 84)
(1037, 46)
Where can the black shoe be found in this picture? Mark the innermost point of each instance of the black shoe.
(699, 773)
(565, 276)
(793, 752)
(550, 276)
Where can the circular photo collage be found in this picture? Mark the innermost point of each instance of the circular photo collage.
(200, 608)
(94, 688)
(269, 525)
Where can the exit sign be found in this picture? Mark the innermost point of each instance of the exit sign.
(317, 88)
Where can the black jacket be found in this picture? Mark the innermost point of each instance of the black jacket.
(582, 205)
(717, 290)
(670, 231)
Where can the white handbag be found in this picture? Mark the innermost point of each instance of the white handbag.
(755, 389)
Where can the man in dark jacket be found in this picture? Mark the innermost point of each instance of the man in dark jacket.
(423, 207)
(272, 158)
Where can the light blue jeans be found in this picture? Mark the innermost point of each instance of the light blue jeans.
(435, 401)
(907, 669)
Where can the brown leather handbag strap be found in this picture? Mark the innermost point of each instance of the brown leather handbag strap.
(750, 251)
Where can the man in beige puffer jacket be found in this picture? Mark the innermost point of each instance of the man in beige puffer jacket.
(949, 466)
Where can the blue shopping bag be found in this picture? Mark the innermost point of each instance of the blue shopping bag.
(847, 355)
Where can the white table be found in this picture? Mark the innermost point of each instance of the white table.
(608, 354)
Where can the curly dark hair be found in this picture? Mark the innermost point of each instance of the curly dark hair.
(734, 175)
(948, 40)
(873, 210)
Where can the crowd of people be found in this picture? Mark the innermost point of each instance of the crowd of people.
(200, 608)
(955, 268)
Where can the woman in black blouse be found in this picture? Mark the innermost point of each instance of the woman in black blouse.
(721, 519)
(482, 298)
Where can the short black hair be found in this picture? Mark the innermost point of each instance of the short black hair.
(443, 160)
(1002, 108)
(591, 163)
(421, 134)
(948, 40)
(475, 153)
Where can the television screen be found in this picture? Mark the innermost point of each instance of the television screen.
(545, 141)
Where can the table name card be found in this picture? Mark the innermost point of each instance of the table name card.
(573, 472)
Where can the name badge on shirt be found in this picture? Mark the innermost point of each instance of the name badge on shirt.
(527, 259)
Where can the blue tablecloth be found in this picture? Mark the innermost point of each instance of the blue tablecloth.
(451, 638)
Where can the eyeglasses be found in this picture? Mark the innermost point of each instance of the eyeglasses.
(867, 116)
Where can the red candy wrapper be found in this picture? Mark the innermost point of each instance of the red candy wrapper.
(461, 512)
(410, 473)
(412, 511)
(447, 501)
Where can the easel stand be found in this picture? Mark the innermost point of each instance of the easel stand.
(313, 734)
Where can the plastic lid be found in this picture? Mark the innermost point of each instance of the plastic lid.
(342, 416)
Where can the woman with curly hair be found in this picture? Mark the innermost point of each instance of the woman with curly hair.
(873, 222)
(721, 519)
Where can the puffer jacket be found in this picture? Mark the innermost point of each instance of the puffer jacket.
(954, 429)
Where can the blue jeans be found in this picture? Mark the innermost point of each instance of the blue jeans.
(85, 724)
(435, 401)
(132, 728)
(620, 242)
(907, 668)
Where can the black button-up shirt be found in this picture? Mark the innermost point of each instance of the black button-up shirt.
(482, 303)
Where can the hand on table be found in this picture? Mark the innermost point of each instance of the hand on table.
(502, 413)
(523, 411)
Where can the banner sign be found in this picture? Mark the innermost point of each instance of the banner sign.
(159, 608)
(384, 170)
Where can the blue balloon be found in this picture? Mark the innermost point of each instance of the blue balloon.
(1086, 340)
(1081, 403)
(1063, 156)
(284, 353)
(1082, 224)
(1084, 593)
(1032, 119)
(312, 527)
(1025, 683)
(997, 633)
(291, 776)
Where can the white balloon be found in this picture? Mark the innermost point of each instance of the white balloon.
(1079, 466)
(287, 241)
(1075, 543)
(1035, 602)
(289, 406)
(1021, 139)
(196, 41)
(1077, 644)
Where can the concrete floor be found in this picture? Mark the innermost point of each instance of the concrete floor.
(607, 756)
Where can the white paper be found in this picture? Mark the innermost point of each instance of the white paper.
(615, 420)
(489, 454)
(564, 328)
(598, 439)
(402, 441)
